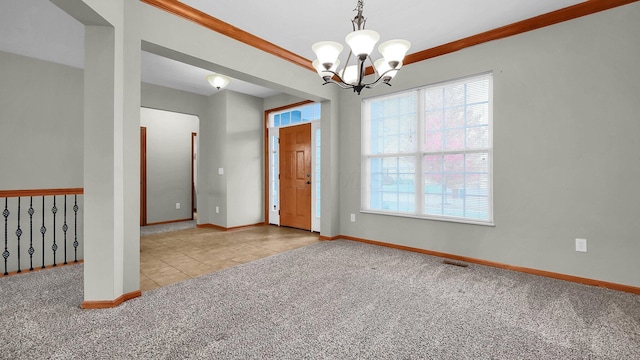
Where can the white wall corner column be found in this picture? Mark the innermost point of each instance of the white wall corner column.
(111, 151)
(330, 209)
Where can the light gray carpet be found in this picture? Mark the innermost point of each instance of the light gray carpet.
(334, 300)
(162, 228)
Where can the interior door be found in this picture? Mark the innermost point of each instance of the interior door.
(295, 176)
(143, 176)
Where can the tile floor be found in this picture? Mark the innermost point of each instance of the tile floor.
(170, 257)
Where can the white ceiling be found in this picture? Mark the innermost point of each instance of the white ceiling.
(295, 25)
(39, 29)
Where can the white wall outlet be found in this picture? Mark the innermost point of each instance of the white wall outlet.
(217, 210)
(220, 171)
(177, 206)
(581, 245)
(353, 217)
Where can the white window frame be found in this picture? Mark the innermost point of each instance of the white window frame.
(419, 153)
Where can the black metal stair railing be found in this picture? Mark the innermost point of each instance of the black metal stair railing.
(14, 236)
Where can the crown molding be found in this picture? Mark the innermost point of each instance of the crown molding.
(187, 12)
(565, 14)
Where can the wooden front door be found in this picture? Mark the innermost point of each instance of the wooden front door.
(295, 176)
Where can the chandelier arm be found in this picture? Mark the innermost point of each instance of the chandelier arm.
(373, 84)
(340, 84)
(344, 68)
(335, 74)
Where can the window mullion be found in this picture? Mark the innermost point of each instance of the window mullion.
(420, 134)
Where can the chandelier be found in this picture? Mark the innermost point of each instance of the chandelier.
(361, 43)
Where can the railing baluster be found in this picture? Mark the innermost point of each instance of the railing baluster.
(75, 225)
(31, 249)
(19, 234)
(54, 247)
(65, 228)
(43, 230)
(17, 248)
(5, 254)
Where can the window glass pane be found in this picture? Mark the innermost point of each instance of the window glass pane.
(433, 140)
(454, 139)
(434, 99)
(306, 113)
(478, 91)
(296, 117)
(434, 120)
(392, 184)
(276, 120)
(454, 117)
(285, 118)
(317, 114)
(478, 137)
(454, 95)
(393, 125)
(477, 114)
(274, 172)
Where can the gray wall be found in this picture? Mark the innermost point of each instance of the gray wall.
(280, 100)
(213, 149)
(168, 163)
(245, 159)
(41, 147)
(163, 98)
(41, 124)
(232, 139)
(566, 153)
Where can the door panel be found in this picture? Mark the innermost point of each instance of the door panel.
(295, 176)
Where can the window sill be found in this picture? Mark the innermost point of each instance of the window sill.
(426, 217)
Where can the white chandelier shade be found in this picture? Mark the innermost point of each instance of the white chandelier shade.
(327, 52)
(218, 81)
(394, 51)
(362, 42)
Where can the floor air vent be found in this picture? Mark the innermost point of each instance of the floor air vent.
(455, 263)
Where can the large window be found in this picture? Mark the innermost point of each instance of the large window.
(428, 152)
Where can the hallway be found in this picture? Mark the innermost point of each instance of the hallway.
(170, 257)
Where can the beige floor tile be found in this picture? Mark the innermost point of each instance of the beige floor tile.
(171, 279)
(172, 257)
(194, 269)
(147, 284)
(223, 265)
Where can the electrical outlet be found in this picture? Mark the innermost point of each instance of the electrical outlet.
(353, 217)
(220, 171)
(177, 206)
(217, 210)
(581, 245)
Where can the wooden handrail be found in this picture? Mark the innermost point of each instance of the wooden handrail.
(40, 192)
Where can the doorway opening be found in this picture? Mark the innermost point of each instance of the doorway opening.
(168, 166)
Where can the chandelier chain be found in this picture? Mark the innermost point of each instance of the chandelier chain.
(359, 20)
